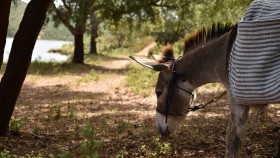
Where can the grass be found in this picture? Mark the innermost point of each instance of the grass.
(57, 68)
(141, 80)
(16, 125)
(134, 46)
(92, 76)
(65, 68)
(88, 149)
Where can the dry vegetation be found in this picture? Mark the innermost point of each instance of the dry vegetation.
(58, 100)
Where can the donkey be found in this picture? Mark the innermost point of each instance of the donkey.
(205, 60)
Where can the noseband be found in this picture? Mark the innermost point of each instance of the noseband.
(171, 86)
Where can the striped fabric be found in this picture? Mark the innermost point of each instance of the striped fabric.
(254, 64)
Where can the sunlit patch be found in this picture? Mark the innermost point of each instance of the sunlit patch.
(213, 115)
(26, 1)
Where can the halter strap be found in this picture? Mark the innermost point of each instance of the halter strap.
(170, 92)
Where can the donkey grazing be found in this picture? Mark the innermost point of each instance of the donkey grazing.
(205, 60)
(243, 57)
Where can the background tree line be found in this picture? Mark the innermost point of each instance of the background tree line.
(48, 31)
(166, 20)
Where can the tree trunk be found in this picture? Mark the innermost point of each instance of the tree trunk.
(5, 6)
(79, 49)
(93, 49)
(20, 58)
(94, 34)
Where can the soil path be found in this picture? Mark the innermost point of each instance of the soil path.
(121, 63)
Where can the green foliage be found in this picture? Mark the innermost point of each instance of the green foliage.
(141, 80)
(206, 12)
(123, 126)
(6, 154)
(16, 125)
(108, 45)
(47, 32)
(70, 110)
(56, 68)
(92, 76)
(120, 32)
(178, 48)
(91, 146)
(162, 149)
(121, 154)
(147, 152)
(50, 32)
(73, 14)
(57, 112)
(168, 20)
(89, 149)
(137, 9)
(15, 17)
(141, 42)
(168, 37)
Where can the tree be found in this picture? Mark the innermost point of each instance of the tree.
(175, 16)
(94, 27)
(73, 14)
(190, 15)
(20, 58)
(4, 22)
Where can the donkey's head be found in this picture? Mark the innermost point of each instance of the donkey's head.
(173, 91)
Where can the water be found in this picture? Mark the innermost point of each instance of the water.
(40, 52)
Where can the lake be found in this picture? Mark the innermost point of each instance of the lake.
(40, 52)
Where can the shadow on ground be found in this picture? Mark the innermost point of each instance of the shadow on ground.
(124, 125)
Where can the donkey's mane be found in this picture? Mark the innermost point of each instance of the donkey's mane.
(167, 54)
(205, 35)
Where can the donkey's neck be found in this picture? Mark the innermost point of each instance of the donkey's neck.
(206, 64)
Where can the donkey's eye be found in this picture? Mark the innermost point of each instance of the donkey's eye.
(158, 93)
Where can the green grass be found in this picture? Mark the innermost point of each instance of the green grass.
(88, 149)
(16, 125)
(107, 47)
(60, 68)
(92, 76)
(141, 80)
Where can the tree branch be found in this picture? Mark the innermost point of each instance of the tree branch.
(65, 21)
(98, 6)
(66, 6)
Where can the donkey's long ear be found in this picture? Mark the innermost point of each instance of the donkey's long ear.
(152, 64)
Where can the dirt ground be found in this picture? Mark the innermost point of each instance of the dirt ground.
(52, 108)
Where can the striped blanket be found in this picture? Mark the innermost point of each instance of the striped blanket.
(254, 64)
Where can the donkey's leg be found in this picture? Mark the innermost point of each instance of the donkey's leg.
(236, 129)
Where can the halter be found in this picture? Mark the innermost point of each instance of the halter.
(171, 86)
(170, 93)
